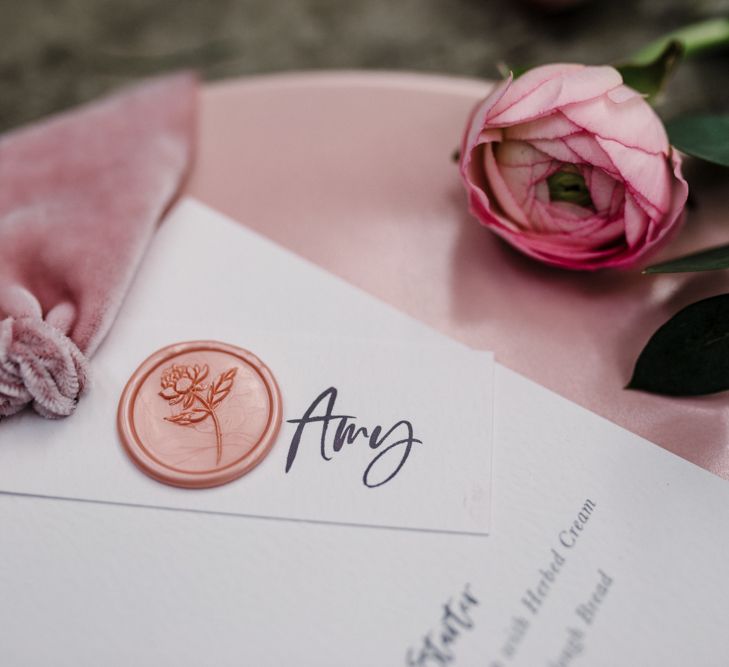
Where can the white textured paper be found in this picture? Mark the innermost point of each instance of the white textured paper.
(208, 278)
(86, 584)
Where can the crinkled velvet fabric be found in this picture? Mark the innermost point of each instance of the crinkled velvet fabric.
(80, 197)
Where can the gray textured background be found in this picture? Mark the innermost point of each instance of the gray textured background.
(56, 53)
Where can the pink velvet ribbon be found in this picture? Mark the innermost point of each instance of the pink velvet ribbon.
(80, 197)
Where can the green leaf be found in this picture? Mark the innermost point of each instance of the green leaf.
(518, 70)
(689, 354)
(712, 259)
(650, 77)
(694, 38)
(703, 136)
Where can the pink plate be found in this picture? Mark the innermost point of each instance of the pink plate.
(354, 172)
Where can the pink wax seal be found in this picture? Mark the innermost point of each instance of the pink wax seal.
(199, 414)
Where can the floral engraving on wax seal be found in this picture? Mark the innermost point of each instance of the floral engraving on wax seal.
(184, 384)
(225, 397)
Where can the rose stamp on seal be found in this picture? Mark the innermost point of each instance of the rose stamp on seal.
(199, 414)
(184, 384)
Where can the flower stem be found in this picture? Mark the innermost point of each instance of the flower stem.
(218, 434)
(218, 437)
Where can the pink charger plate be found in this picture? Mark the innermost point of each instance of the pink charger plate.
(354, 171)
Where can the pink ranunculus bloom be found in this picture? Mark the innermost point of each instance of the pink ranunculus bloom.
(573, 168)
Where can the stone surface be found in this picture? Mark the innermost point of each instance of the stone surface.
(57, 53)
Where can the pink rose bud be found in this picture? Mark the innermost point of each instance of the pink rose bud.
(573, 168)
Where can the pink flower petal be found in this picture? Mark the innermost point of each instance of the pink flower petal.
(520, 154)
(588, 150)
(476, 122)
(650, 210)
(568, 216)
(602, 187)
(647, 173)
(531, 97)
(530, 80)
(554, 250)
(671, 222)
(631, 121)
(554, 126)
(557, 149)
(481, 209)
(623, 94)
(635, 221)
(504, 196)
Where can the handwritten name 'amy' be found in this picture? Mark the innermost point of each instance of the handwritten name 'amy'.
(393, 445)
